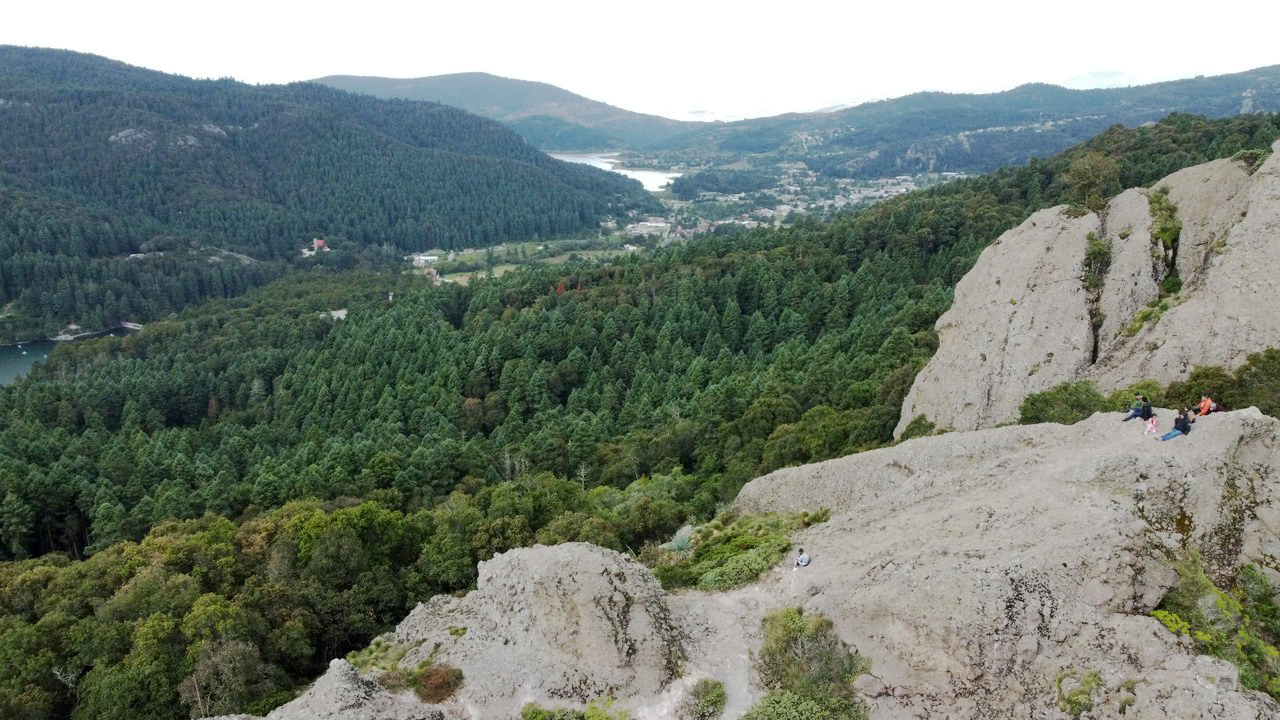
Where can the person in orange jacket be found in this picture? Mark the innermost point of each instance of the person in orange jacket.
(1206, 405)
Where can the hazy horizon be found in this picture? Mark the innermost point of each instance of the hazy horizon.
(675, 59)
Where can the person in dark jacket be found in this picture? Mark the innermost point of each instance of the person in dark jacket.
(1181, 425)
(1141, 408)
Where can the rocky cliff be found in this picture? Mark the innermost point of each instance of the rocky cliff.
(1023, 319)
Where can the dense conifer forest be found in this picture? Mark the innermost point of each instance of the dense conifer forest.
(243, 491)
(127, 194)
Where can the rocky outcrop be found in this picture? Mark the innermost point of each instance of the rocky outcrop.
(1022, 322)
(977, 570)
(1229, 261)
(557, 626)
(982, 573)
(1019, 324)
(1135, 275)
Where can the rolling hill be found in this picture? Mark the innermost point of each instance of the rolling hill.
(934, 132)
(550, 117)
(122, 190)
(922, 132)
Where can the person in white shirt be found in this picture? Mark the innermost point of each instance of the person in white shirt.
(802, 560)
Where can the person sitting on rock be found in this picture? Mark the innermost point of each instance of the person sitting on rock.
(802, 559)
(1140, 409)
(1181, 425)
(1206, 405)
(1153, 426)
(1134, 409)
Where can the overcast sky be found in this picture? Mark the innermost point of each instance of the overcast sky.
(669, 57)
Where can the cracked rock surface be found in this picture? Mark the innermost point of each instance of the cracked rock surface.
(342, 694)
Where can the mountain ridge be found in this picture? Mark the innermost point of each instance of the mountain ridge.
(926, 131)
(551, 117)
(936, 131)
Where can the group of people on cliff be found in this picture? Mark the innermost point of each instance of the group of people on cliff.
(1181, 423)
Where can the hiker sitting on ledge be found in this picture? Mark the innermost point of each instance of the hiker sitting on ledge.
(802, 559)
(1181, 426)
(1141, 410)
(1206, 405)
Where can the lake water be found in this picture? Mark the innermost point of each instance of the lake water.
(653, 180)
(16, 361)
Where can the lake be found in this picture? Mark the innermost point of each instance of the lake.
(16, 361)
(653, 180)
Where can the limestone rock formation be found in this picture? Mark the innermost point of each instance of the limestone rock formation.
(1134, 277)
(977, 570)
(1022, 322)
(1229, 259)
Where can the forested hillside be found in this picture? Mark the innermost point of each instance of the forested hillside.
(936, 132)
(100, 161)
(213, 508)
(550, 117)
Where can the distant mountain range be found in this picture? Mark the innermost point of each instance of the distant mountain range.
(550, 117)
(917, 133)
(116, 180)
(971, 133)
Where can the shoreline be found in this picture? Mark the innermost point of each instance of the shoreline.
(648, 177)
(64, 337)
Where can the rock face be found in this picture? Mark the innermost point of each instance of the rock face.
(1021, 319)
(557, 626)
(978, 569)
(1134, 276)
(1229, 261)
(1019, 324)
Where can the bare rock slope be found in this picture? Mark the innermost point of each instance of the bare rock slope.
(1020, 313)
(1022, 320)
(978, 570)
